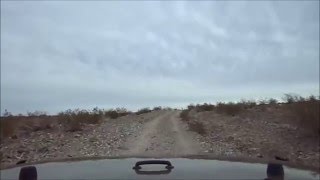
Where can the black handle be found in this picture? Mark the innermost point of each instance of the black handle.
(28, 172)
(167, 171)
(139, 163)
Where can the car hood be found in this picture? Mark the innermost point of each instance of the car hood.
(184, 168)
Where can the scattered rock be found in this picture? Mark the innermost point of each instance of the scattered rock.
(253, 149)
(20, 151)
(43, 150)
(281, 158)
(123, 148)
(230, 138)
(21, 161)
(93, 139)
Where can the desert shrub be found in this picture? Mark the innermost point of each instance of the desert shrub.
(263, 102)
(37, 114)
(115, 113)
(74, 119)
(204, 107)
(68, 122)
(307, 114)
(272, 101)
(6, 113)
(8, 127)
(184, 115)
(247, 103)
(14, 126)
(197, 127)
(291, 98)
(32, 124)
(229, 108)
(191, 106)
(143, 110)
(192, 125)
(167, 108)
(312, 98)
(73, 125)
(158, 108)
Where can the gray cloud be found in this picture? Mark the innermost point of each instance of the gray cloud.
(57, 55)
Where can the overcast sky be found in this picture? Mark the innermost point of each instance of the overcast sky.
(64, 54)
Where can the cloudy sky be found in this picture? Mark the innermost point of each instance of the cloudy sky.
(63, 54)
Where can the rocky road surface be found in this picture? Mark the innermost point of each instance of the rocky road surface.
(159, 133)
(166, 135)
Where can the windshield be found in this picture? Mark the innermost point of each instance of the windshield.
(228, 79)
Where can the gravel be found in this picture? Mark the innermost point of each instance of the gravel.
(257, 134)
(103, 139)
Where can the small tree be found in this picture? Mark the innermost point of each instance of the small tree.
(272, 101)
(7, 113)
(291, 98)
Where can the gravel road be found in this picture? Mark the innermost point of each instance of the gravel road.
(158, 133)
(165, 135)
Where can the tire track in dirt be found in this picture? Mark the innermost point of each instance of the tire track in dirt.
(164, 135)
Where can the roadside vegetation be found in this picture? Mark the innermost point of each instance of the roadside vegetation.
(11, 125)
(305, 111)
(302, 110)
(143, 110)
(193, 125)
(70, 120)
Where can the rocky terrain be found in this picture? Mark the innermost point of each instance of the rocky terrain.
(103, 139)
(256, 133)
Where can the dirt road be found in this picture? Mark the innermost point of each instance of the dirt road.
(165, 135)
(256, 134)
